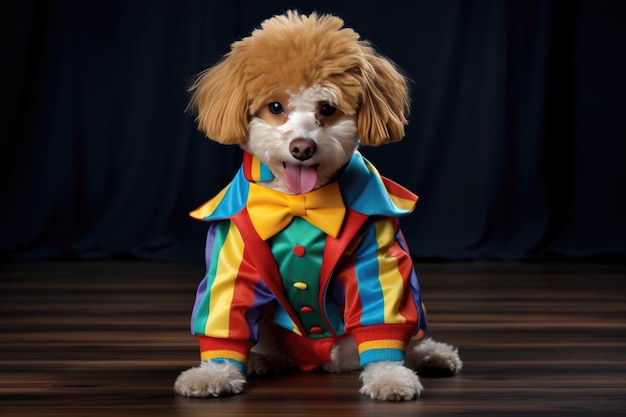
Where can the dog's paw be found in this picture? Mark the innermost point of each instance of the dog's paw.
(263, 364)
(210, 379)
(431, 358)
(390, 381)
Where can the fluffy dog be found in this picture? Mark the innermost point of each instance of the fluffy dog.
(304, 253)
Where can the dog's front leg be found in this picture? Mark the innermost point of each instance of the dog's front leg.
(210, 379)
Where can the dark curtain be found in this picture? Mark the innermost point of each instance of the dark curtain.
(515, 145)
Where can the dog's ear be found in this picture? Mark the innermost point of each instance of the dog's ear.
(220, 103)
(385, 102)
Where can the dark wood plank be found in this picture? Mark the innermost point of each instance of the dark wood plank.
(109, 338)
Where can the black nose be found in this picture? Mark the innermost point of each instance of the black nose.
(302, 149)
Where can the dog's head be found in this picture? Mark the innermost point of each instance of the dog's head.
(299, 94)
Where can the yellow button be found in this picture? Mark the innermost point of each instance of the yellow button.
(300, 285)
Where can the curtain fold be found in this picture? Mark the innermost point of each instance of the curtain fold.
(515, 143)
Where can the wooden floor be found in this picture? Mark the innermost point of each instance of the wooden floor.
(108, 339)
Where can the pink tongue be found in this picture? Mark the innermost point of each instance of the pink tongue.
(300, 179)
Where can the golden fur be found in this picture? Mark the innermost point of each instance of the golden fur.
(292, 52)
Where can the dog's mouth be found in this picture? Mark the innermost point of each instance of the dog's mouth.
(300, 178)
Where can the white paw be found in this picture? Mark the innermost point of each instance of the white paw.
(390, 381)
(210, 379)
(431, 358)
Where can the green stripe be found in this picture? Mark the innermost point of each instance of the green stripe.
(221, 231)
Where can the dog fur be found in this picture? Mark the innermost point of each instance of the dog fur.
(300, 94)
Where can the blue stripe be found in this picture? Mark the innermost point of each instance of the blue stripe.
(414, 287)
(370, 290)
(282, 318)
(240, 366)
(266, 174)
(364, 190)
(377, 355)
(234, 200)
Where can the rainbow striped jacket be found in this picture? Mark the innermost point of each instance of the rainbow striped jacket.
(314, 288)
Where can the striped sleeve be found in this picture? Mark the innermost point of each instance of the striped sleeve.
(382, 300)
(230, 298)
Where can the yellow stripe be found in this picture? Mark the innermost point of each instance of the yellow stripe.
(371, 167)
(382, 344)
(389, 275)
(255, 169)
(223, 288)
(402, 203)
(295, 328)
(209, 207)
(225, 354)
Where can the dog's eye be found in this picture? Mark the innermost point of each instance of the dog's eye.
(275, 107)
(327, 110)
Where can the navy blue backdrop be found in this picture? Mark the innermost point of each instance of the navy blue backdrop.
(515, 144)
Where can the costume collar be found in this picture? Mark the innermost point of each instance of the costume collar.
(254, 170)
(362, 188)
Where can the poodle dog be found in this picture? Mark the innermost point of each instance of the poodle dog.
(306, 265)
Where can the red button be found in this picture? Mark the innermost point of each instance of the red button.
(316, 330)
(306, 309)
(299, 250)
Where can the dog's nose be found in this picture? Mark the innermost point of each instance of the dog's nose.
(302, 149)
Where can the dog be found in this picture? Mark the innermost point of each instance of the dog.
(306, 265)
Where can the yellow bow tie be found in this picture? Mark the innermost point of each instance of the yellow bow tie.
(271, 211)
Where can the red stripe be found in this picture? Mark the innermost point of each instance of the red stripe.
(263, 262)
(212, 343)
(408, 310)
(243, 298)
(401, 332)
(398, 190)
(353, 309)
(247, 165)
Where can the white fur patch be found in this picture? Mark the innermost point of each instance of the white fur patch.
(307, 98)
(300, 124)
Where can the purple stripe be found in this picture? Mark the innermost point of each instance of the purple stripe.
(208, 254)
(262, 297)
(210, 243)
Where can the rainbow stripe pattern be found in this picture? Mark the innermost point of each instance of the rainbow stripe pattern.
(254, 170)
(381, 283)
(372, 293)
(230, 299)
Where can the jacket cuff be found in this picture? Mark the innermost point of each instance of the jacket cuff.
(222, 350)
(382, 342)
